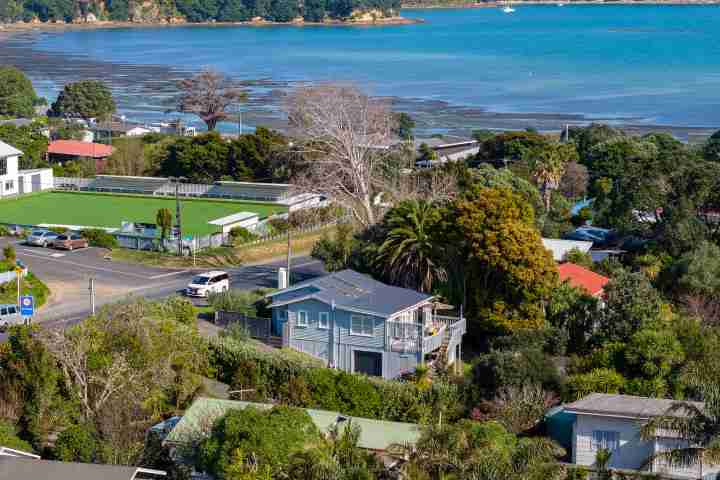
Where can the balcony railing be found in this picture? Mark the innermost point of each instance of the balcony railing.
(406, 337)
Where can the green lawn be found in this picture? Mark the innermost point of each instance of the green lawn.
(107, 210)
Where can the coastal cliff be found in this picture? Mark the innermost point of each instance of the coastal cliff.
(197, 11)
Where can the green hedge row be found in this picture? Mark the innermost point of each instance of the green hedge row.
(296, 379)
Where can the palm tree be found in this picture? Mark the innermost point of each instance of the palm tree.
(408, 255)
(479, 451)
(548, 166)
(698, 424)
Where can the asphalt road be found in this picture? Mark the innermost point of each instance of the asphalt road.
(68, 274)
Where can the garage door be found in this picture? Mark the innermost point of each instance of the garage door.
(36, 187)
(369, 363)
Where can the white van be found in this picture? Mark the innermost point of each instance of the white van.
(9, 315)
(206, 283)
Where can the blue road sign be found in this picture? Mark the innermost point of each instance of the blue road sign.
(27, 305)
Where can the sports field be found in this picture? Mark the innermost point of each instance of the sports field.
(107, 210)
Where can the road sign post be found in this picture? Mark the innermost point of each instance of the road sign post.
(18, 276)
(27, 307)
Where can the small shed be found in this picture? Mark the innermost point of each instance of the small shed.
(247, 220)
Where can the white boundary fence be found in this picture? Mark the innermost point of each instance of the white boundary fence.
(157, 186)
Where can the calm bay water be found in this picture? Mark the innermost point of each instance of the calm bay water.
(636, 64)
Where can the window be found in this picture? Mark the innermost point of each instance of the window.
(302, 319)
(605, 440)
(3, 166)
(323, 320)
(360, 325)
(9, 185)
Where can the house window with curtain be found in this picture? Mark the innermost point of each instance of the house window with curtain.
(302, 319)
(605, 440)
(361, 325)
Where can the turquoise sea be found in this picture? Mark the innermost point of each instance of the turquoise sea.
(638, 64)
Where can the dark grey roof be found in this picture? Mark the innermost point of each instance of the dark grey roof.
(14, 468)
(353, 290)
(622, 406)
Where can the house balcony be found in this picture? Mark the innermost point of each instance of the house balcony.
(411, 337)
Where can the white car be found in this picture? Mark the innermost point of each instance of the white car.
(206, 283)
(9, 316)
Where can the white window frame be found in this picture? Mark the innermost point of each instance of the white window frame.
(364, 320)
(604, 440)
(302, 314)
(326, 317)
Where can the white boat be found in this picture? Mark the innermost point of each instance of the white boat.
(508, 9)
(560, 4)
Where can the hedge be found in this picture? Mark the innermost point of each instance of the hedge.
(297, 379)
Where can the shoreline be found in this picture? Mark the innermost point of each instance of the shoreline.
(143, 93)
(567, 3)
(23, 27)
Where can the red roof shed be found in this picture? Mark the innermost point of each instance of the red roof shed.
(583, 278)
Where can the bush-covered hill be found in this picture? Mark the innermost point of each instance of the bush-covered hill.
(194, 10)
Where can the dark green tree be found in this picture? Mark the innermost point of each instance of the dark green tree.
(28, 139)
(84, 99)
(76, 443)
(17, 95)
(404, 126)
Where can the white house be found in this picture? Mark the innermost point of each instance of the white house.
(613, 422)
(17, 182)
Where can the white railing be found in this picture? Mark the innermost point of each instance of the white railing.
(412, 337)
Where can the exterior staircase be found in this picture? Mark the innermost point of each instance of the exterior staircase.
(441, 357)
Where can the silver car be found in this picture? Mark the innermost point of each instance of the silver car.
(41, 238)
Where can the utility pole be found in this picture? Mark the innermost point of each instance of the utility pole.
(288, 248)
(178, 220)
(91, 288)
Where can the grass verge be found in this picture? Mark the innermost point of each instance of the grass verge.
(225, 256)
(30, 285)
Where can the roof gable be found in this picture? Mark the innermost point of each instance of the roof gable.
(350, 290)
(8, 150)
(580, 277)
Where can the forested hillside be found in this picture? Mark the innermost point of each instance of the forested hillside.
(194, 10)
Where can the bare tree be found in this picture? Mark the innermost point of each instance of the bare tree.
(346, 141)
(208, 95)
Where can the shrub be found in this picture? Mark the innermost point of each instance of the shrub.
(9, 254)
(241, 235)
(59, 230)
(4, 231)
(600, 380)
(179, 309)
(278, 225)
(248, 302)
(298, 379)
(9, 438)
(582, 217)
(97, 237)
(76, 444)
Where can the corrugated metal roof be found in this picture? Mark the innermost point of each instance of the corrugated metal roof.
(14, 468)
(355, 291)
(80, 149)
(8, 150)
(234, 218)
(580, 277)
(622, 405)
(560, 248)
(374, 434)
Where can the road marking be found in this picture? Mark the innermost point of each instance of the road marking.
(163, 275)
(57, 255)
(90, 267)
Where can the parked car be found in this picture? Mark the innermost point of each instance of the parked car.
(206, 283)
(70, 241)
(41, 238)
(9, 315)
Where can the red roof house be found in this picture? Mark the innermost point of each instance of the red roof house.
(582, 278)
(76, 148)
(66, 150)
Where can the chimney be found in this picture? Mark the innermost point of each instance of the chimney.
(282, 278)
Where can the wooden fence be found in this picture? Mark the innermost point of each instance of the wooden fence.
(256, 327)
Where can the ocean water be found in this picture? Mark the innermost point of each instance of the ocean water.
(639, 64)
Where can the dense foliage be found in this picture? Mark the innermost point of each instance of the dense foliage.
(195, 10)
(17, 95)
(84, 99)
(298, 380)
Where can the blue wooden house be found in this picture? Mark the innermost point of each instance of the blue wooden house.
(358, 324)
